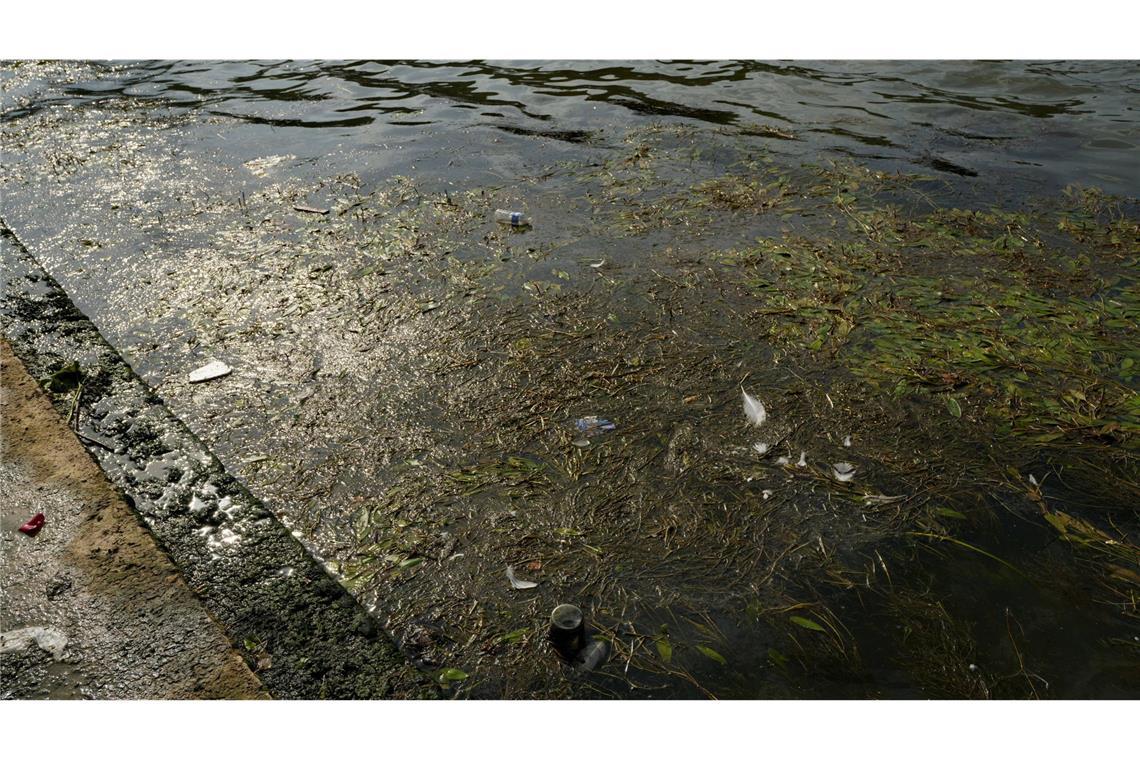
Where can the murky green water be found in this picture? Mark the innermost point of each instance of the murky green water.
(906, 257)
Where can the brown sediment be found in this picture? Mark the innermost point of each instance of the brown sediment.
(134, 628)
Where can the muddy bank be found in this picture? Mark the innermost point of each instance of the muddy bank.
(125, 624)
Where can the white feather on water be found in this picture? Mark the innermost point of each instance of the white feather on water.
(843, 471)
(753, 409)
(516, 582)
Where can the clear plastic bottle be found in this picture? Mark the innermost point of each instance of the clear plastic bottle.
(513, 218)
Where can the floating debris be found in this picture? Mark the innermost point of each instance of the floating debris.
(766, 493)
(598, 264)
(512, 218)
(753, 409)
(211, 371)
(48, 639)
(761, 448)
(259, 167)
(803, 459)
(32, 527)
(516, 582)
(847, 442)
(783, 461)
(843, 471)
(594, 425)
(310, 209)
(878, 498)
(567, 629)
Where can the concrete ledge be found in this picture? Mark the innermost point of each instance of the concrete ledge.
(302, 632)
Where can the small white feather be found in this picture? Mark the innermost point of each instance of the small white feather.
(753, 409)
(515, 582)
(803, 459)
(761, 448)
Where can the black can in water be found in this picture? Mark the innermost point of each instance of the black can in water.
(567, 630)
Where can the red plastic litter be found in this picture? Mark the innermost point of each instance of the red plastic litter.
(32, 527)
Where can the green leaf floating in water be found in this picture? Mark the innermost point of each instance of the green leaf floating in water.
(665, 649)
(811, 625)
(712, 654)
(451, 675)
(954, 407)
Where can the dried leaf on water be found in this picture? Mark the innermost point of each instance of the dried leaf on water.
(753, 409)
(516, 582)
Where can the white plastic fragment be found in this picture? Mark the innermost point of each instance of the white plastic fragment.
(753, 409)
(48, 639)
(843, 471)
(516, 583)
(211, 371)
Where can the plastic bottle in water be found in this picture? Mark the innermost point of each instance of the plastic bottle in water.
(513, 218)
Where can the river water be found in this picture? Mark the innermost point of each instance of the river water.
(407, 374)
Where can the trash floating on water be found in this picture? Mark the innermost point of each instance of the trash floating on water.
(211, 371)
(309, 209)
(513, 218)
(516, 582)
(843, 471)
(753, 409)
(594, 655)
(48, 639)
(761, 448)
(803, 459)
(594, 425)
(567, 630)
(32, 527)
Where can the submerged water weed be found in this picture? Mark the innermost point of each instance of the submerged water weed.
(413, 374)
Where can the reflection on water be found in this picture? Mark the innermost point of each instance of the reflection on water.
(1057, 122)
